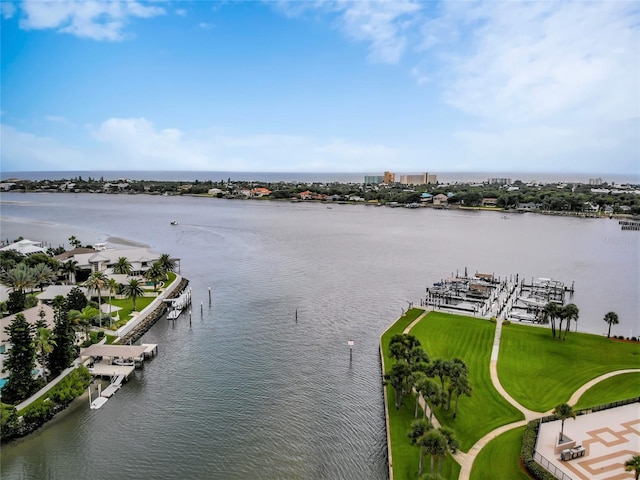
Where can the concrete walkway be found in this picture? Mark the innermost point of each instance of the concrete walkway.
(466, 459)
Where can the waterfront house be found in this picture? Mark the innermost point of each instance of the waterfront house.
(140, 259)
(528, 206)
(305, 195)
(52, 291)
(489, 202)
(440, 199)
(260, 192)
(25, 247)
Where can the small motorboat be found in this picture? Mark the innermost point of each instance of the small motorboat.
(174, 222)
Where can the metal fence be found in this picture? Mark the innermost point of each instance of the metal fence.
(550, 467)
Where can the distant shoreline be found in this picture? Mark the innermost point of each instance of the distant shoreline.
(321, 177)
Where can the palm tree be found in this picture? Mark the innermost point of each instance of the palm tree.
(19, 278)
(612, 319)
(563, 411)
(75, 243)
(461, 386)
(435, 444)
(43, 274)
(44, 344)
(167, 263)
(550, 312)
(570, 312)
(399, 379)
(112, 286)
(416, 435)
(156, 274)
(122, 266)
(633, 465)
(133, 290)
(433, 396)
(81, 320)
(69, 268)
(97, 281)
(451, 443)
(439, 368)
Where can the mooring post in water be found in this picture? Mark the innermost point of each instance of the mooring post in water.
(296, 315)
(201, 314)
(209, 296)
(351, 343)
(189, 317)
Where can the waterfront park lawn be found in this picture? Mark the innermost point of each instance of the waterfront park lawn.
(502, 454)
(609, 390)
(534, 368)
(405, 457)
(540, 371)
(448, 336)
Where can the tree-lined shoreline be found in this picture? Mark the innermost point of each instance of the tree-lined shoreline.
(558, 197)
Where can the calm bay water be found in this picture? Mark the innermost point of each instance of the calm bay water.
(246, 392)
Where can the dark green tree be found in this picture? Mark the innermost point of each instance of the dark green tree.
(570, 312)
(612, 319)
(416, 436)
(156, 274)
(400, 379)
(64, 351)
(76, 299)
(133, 290)
(562, 412)
(633, 465)
(167, 263)
(20, 361)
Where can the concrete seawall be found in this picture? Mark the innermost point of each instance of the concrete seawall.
(150, 315)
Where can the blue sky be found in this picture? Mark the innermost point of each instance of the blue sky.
(321, 86)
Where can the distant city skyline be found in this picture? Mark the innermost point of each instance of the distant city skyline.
(291, 86)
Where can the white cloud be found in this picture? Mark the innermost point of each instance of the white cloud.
(137, 144)
(383, 25)
(522, 61)
(23, 151)
(7, 9)
(181, 12)
(97, 20)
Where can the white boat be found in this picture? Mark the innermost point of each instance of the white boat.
(533, 301)
(174, 222)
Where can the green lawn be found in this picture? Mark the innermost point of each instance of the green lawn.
(126, 304)
(405, 457)
(447, 336)
(500, 458)
(541, 372)
(619, 387)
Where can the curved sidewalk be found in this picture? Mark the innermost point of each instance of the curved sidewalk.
(466, 459)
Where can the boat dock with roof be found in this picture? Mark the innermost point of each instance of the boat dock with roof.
(115, 362)
(486, 295)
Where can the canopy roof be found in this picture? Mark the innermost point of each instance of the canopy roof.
(114, 351)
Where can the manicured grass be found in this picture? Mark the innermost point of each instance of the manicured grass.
(405, 457)
(619, 387)
(447, 336)
(126, 304)
(541, 372)
(500, 458)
